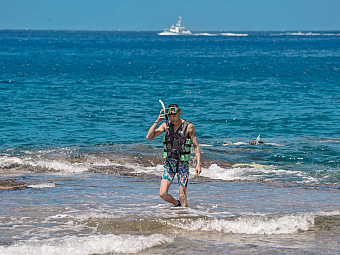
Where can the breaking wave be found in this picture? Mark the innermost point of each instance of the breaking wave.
(252, 225)
(95, 244)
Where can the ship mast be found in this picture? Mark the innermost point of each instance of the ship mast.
(179, 22)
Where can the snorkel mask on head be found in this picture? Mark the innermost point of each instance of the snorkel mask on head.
(171, 110)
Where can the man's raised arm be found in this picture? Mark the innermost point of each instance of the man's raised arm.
(153, 132)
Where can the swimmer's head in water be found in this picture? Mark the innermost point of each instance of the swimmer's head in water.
(254, 142)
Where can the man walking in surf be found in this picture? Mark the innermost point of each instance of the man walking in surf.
(180, 134)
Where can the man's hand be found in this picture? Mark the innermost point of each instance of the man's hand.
(153, 132)
(198, 169)
(161, 116)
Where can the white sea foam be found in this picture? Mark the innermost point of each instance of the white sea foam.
(252, 173)
(6, 161)
(86, 216)
(306, 34)
(252, 225)
(206, 34)
(157, 170)
(95, 244)
(233, 34)
(55, 164)
(51, 164)
(42, 185)
(216, 172)
(58, 165)
(213, 172)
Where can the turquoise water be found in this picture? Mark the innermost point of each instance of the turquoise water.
(76, 107)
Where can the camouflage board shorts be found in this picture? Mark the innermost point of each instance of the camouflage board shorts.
(173, 166)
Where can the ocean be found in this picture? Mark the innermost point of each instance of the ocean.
(75, 110)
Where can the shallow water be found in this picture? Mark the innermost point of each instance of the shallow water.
(104, 213)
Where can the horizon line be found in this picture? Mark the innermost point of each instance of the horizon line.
(156, 31)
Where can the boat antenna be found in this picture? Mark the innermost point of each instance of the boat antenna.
(179, 21)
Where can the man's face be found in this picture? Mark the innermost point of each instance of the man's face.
(174, 117)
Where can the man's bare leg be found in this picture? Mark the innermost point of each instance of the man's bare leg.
(163, 192)
(183, 196)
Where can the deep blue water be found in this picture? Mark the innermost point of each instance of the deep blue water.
(74, 88)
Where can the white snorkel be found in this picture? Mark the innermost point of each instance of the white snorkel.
(257, 140)
(166, 116)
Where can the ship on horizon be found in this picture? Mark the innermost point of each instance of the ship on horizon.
(176, 30)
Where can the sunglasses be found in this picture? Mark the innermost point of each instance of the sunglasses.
(171, 110)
